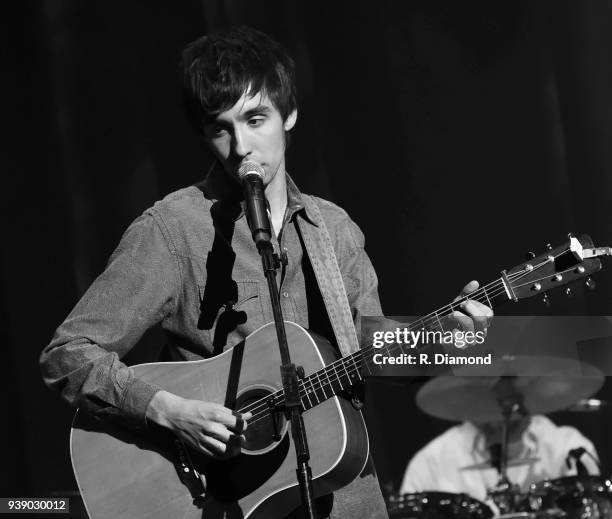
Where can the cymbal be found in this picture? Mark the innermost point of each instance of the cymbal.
(545, 384)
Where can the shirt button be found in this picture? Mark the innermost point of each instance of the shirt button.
(285, 294)
(285, 249)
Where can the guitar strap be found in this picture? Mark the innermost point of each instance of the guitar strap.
(320, 250)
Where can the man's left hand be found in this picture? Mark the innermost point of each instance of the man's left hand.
(473, 315)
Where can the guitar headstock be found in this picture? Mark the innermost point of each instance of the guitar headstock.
(575, 259)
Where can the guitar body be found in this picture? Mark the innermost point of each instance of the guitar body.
(127, 474)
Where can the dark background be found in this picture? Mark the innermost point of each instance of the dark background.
(458, 135)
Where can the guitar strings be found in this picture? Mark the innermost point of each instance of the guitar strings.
(320, 379)
(260, 408)
(320, 376)
(473, 296)
(317, 377)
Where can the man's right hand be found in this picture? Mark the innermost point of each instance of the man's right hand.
(206, 426)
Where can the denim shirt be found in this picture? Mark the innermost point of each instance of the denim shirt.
(189, 263)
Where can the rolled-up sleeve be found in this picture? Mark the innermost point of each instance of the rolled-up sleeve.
(137, 289)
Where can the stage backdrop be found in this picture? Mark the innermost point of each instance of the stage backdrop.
(458, 135)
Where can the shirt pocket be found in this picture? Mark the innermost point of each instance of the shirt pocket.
(248, 291)
(236, 319)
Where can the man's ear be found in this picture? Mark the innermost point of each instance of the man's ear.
(290, 121)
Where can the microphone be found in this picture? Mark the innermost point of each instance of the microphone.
(576, 454)
(251, 177)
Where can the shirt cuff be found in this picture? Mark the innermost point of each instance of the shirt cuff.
(136, 399)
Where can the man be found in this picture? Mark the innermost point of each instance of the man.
(189, 263)
(465, 458)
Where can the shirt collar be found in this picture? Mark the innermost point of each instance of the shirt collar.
(523, 449)
(218, 187)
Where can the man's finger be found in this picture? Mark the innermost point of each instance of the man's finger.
(464, 322)
(234, 420)
(241, 424)
(212, 445)
(234, 445)
(218, 431)
(470, 287)
(479, 313)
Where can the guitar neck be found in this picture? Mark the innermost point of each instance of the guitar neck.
(342, 374)
(554, 268)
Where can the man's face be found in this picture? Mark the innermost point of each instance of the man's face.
(251, 130)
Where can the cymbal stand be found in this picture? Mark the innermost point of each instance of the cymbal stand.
(511, 403)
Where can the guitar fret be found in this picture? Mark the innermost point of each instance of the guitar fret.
(348, 377)
(439, 322)
(339, 379)
(329, 382)
(356, 368)
(321, 386)
(307, 391)
(487, 296)
(366, 362)
(313, 390)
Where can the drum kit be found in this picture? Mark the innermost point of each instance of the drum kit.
(526, 386)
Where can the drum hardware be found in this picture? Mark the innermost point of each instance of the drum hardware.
(489, 464)
(589, 405)
(578, 497)
(576, 454)
(510, 401)
(437, 505)
(513, 395)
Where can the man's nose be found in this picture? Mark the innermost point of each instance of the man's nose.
(242, 144)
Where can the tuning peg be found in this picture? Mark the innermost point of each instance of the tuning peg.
(590, 283)
(530, 255)
(545, 300)
(570, 235)
(568, 292)
(549, 246)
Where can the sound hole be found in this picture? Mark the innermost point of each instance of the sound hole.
(260, 432)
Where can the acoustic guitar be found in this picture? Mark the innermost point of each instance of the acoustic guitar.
(127, 474)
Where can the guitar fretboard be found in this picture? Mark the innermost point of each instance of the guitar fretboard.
(342, 374)
(522, 281)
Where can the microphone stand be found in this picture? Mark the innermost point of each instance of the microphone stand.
(289, 376)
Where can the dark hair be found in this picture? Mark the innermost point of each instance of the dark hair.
(219, 68)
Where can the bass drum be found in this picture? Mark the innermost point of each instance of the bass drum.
(437, 505)
(574, 497)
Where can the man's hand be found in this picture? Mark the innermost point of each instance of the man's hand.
(474, 315)
(206, 426)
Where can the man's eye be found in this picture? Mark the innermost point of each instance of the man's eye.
(254, 122)
(214, 131)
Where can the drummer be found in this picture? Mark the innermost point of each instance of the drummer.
(466, 458)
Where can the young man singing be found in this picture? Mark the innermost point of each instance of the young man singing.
(189, 263)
